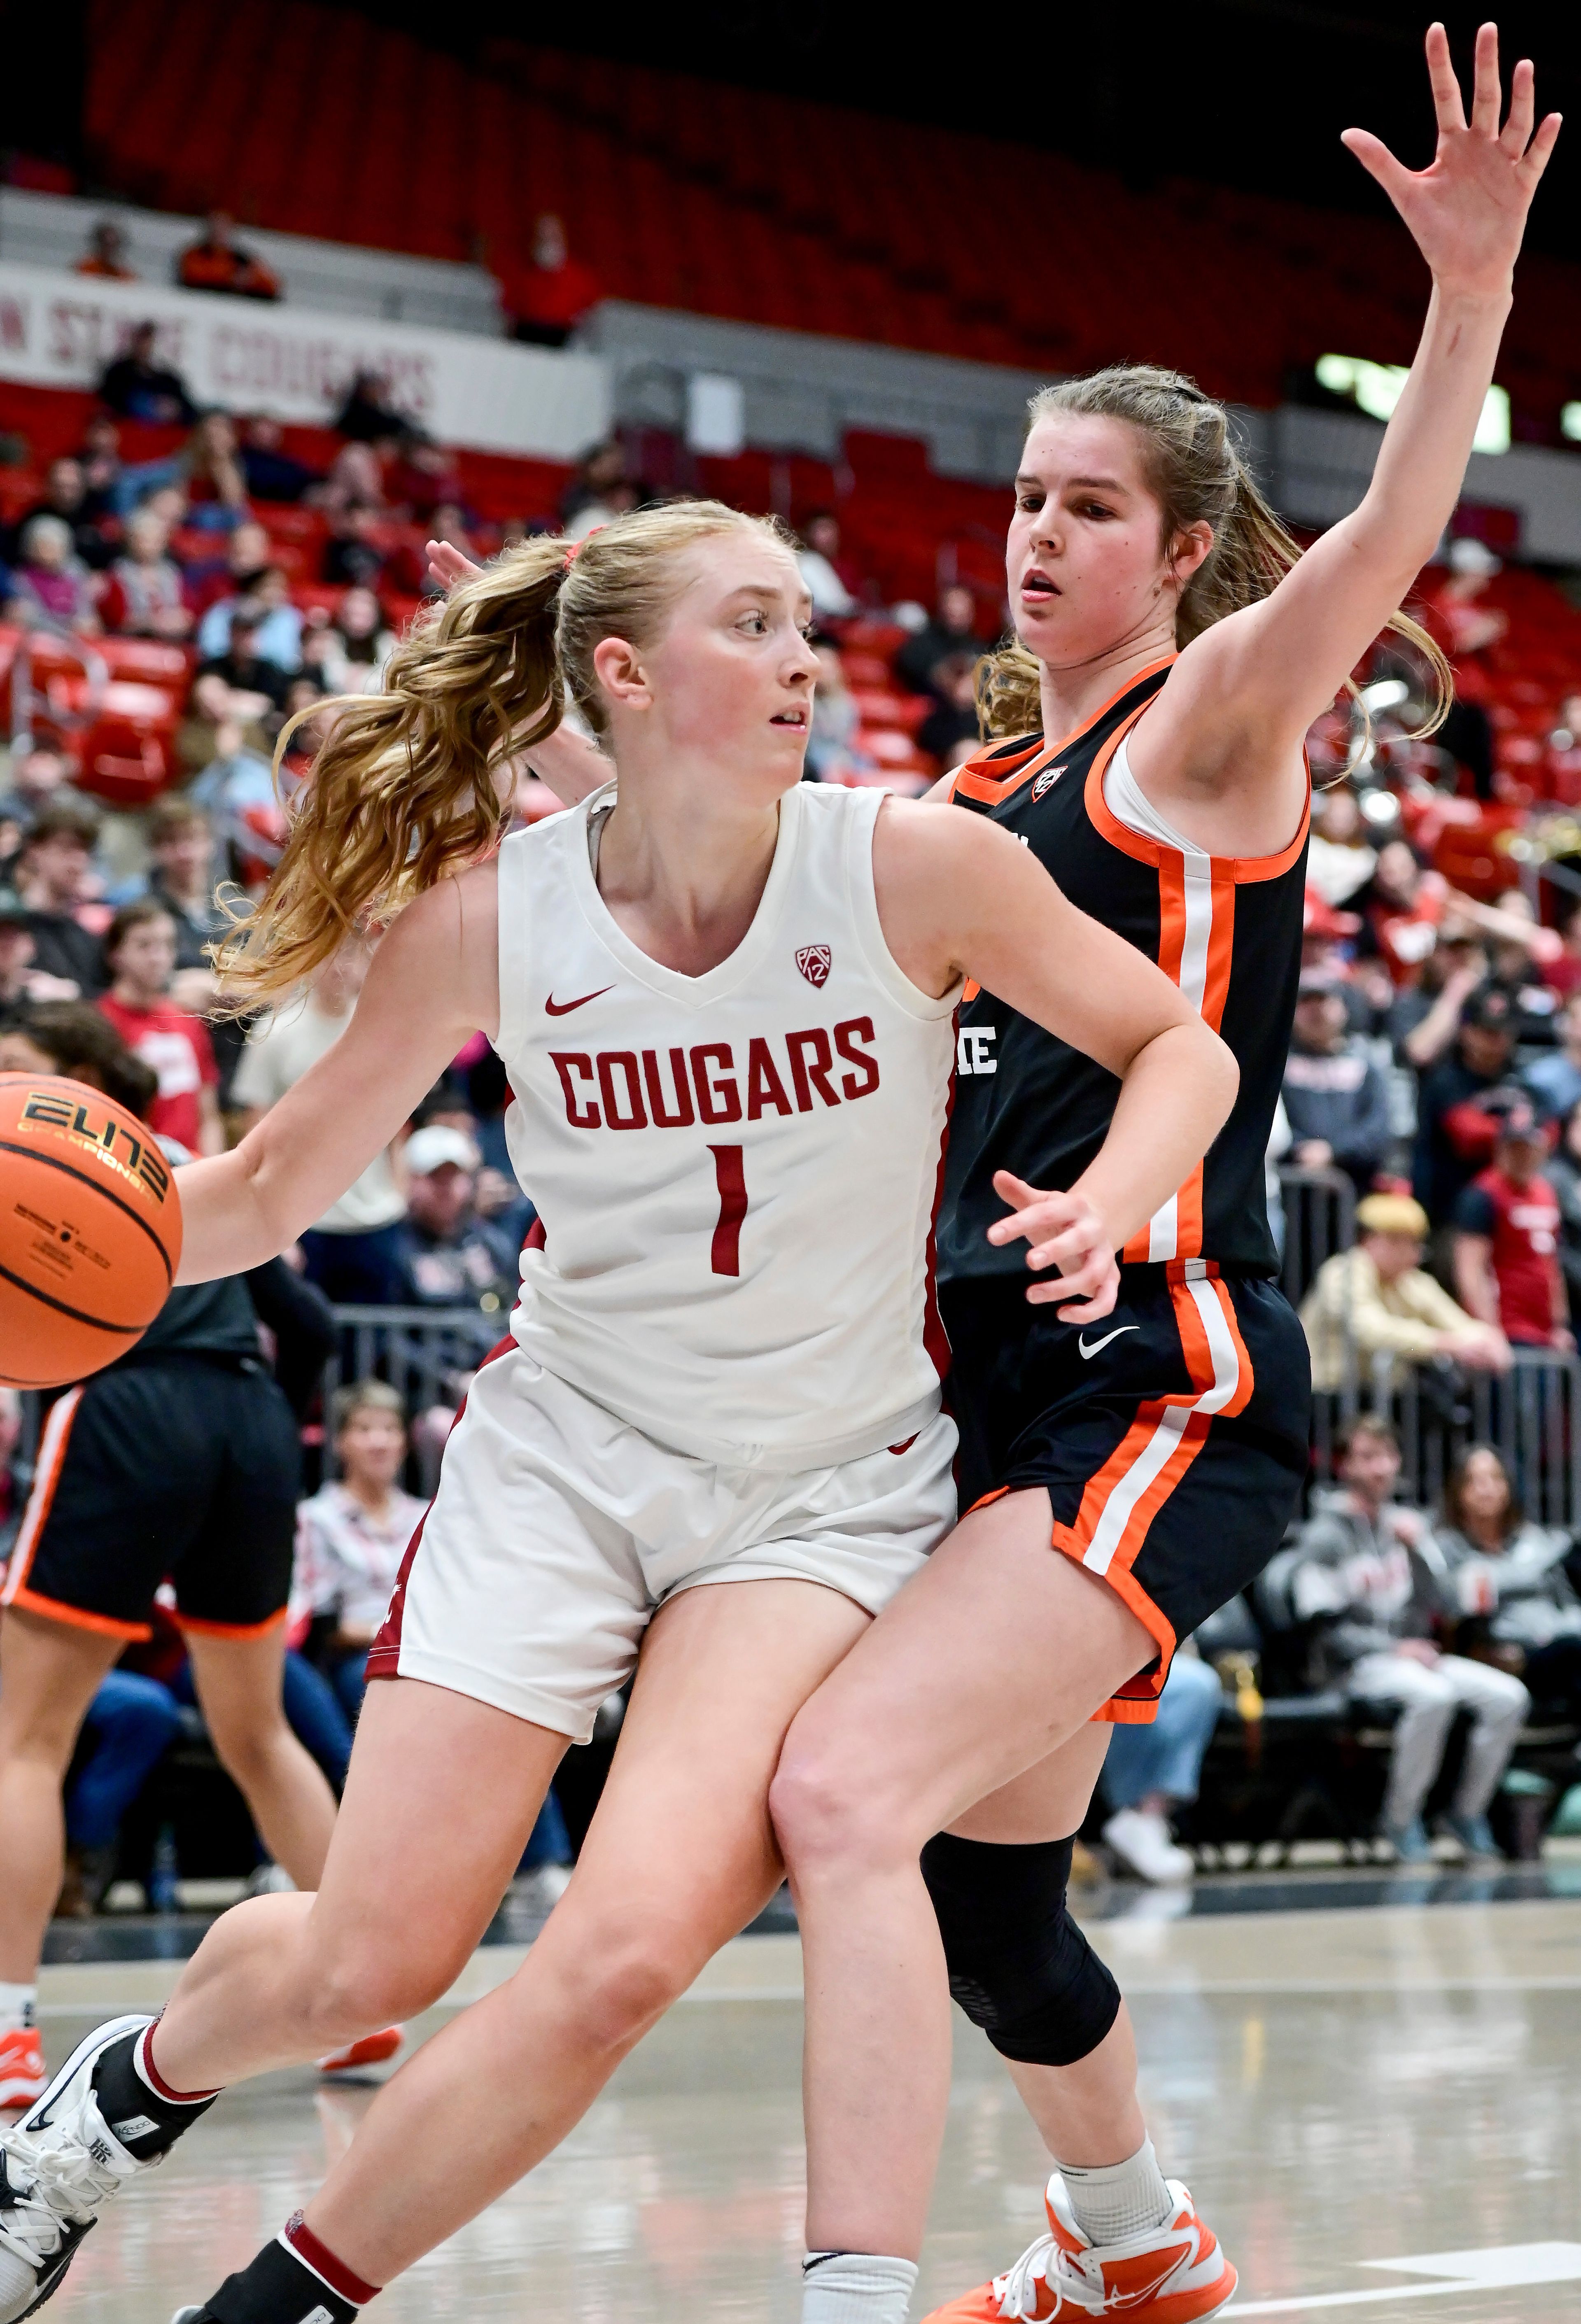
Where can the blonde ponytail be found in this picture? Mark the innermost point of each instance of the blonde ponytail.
(1197, 475)
(418, 782)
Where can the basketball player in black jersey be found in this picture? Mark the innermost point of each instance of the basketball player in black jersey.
(1149, 1421)
(1146, 1423)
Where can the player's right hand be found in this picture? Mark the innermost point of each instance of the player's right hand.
(1466, 210)
(1066, 1232)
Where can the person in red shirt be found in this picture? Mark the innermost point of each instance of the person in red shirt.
(1507, 1237)
(1402, 905)
(548, 298)
(139, 952)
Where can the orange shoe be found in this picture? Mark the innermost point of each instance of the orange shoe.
(1173, 2274)
(357, 2061)
(23, 2072)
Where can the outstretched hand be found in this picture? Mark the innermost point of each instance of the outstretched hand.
(1466, 210)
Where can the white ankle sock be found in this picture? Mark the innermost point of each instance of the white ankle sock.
(855, 2288)
(18, 2004)
(1119, 2198)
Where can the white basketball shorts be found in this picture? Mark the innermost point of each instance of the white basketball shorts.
(557, 1532)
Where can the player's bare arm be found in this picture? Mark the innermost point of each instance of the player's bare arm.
(959, 897)
(1230, 720)
(433, 982)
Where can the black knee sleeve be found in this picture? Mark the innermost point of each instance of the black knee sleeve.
(1018, 1966)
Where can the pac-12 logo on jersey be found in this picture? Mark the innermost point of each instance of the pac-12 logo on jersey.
(815, 962)
(1045, 780)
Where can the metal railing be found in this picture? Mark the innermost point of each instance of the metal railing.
(1319, 1219)
(427, 1353)
(1531, 1414)
(27, 703)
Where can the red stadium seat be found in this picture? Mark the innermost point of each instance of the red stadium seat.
(122, 766)
(149, 660)
(764, 208)
(897, 712)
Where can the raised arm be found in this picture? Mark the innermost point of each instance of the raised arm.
(958, 895)
(1236, 704)
(434, 981)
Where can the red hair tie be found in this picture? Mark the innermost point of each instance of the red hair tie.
(575, 546)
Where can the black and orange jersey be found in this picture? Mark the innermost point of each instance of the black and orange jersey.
(1227, 929)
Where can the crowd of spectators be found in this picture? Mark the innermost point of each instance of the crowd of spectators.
(1432, 1097)
(1436, 1066)
(1433, 1085)
(1374, 1587)
(146, 548)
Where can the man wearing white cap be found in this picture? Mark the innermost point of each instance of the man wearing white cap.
(448, 1257)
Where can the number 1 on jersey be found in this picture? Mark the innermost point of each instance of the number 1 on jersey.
(731, 1176)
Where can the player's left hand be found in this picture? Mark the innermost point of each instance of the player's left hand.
(1466, 210)
(447, 565)
(1065, 1231)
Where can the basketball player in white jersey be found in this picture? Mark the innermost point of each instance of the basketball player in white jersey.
(724, 1001)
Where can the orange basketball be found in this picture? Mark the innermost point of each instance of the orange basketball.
(91, 1230)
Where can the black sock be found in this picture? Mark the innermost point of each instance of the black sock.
(278, 2288)
(147, 2121)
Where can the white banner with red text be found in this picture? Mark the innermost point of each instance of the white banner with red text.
(60, 330)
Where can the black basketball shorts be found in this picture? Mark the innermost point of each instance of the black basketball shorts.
(1170, 1437)
(176, 1468)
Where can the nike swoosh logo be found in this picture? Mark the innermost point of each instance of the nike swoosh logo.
(1099, 1345)
(554, 1008)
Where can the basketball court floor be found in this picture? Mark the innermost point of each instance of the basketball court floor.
(1377, 2102)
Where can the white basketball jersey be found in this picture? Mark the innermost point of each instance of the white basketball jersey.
(737, 1173)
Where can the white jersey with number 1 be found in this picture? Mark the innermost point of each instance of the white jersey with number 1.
(737, 1173)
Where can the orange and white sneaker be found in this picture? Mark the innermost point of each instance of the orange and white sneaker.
(360, 2061)
(23, 2074)
(1172, 2274)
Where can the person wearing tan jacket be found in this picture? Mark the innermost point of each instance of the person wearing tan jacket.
(1381, 1296)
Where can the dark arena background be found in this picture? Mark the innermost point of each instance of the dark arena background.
(287, 290)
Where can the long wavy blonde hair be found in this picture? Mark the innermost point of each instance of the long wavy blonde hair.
(1196, 476)
(418, 782)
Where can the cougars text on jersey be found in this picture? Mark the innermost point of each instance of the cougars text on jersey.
(615, 1088)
